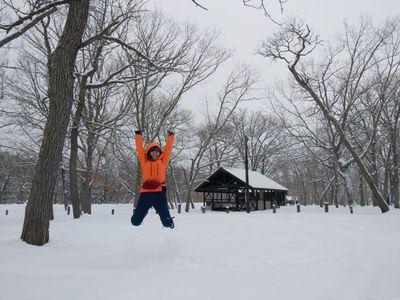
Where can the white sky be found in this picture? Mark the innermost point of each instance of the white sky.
(242, 28)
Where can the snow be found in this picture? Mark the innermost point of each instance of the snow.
(256, 179)
(287, 255)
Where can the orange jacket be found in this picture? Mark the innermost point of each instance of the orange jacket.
(153, 171)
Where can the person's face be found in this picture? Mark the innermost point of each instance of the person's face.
(155, 154)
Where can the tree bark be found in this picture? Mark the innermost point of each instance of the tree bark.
(60, 92)
(86, 196)
(64, 187)
(51, 212)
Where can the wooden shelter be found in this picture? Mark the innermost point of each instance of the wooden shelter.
(226, 187)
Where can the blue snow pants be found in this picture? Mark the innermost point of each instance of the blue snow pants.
(158, 200)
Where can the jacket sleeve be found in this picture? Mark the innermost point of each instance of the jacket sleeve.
(168, 148)
(139, 148)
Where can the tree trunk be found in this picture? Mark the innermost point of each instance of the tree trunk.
(60, 92)
(51, 212)
(86, 194)
(177, 197)
(170, 192)
(189, 193)
(21, 194)
(137, 181)
(170, 198)
(395, 172)
(192, 203)
(89, 169)
(105, 188)
(3, 189)
(86, 197)
(374, 173)
(386, 176)
(188, 201)
(335, 196)
(314, 198)
(347, 191)
(361, 191)
(64, 187)
(73, 157)
(335, 185)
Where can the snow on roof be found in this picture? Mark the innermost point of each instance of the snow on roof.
(256, 179)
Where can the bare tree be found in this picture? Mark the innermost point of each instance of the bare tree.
(16, 20)
(187, 56)
(295, 41)
(61, 67)
(237, 89)
(99, 68)
(266, 138)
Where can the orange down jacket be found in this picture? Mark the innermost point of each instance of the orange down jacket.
(153, 171)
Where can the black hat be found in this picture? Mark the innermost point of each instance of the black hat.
(154, 148)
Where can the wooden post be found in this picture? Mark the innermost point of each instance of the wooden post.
(326, 207)
(351, 209)
(112, 211)
(274, 208)
(68, 210)
(246, 167)
(298, 207)
(203, 209)
(179, 208)
(7, 212)
(227, 209)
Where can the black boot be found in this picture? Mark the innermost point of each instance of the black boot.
(171, 224)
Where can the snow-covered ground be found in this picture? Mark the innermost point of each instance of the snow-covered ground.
(311, 255)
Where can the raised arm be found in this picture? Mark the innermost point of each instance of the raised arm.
(139, 146)
(168, 147)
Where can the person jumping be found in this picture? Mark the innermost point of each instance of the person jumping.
(153, 192)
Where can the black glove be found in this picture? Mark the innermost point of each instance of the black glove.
(170, 132)
(138, 132)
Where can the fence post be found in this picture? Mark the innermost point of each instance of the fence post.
(351, 209)
(203, 209)
(112, 211)
(326, 207)
(68, 210)
(298, 207)
(274, 208)
(7, 212)
(227, 209)
(179, 208)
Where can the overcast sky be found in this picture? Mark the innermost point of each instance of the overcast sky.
(242, 28)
